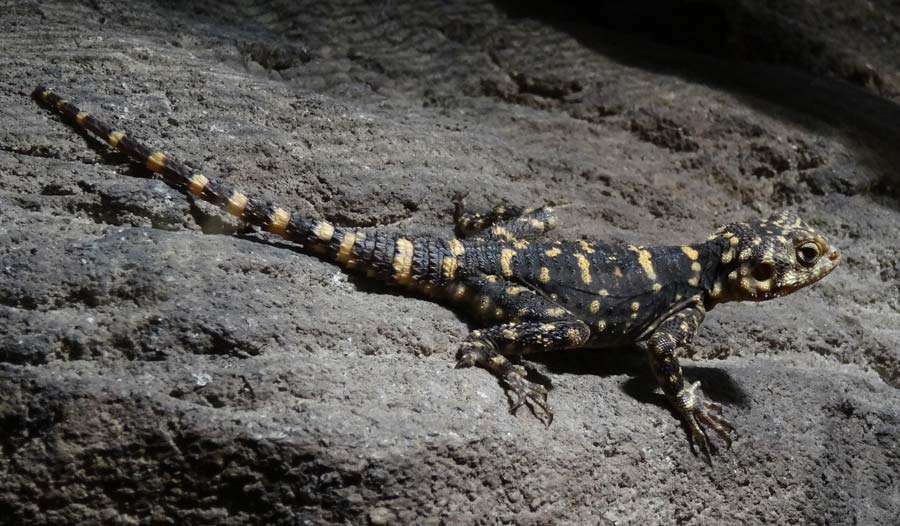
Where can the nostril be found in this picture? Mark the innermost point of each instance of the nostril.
(834, 255)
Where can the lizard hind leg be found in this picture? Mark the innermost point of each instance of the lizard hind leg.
(486, 348)
(478, 351)
(508, 223)
(527, 323)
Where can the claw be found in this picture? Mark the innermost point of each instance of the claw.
(718, 424)
(700, 414)
(699, 438)
(523, 392)
(714, 406)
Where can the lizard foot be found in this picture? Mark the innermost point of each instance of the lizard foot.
(524, 392)
(699, 414)
(520, 390)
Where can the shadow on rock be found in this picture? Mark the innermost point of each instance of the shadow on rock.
(758, 54)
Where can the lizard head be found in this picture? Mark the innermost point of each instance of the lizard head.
(770, 258)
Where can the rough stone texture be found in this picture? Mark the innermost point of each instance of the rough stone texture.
(161, 365)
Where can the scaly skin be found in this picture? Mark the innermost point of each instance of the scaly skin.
(532, 295)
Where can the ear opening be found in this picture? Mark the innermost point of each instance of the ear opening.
(763, 271)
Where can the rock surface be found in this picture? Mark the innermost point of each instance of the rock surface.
(161, 365)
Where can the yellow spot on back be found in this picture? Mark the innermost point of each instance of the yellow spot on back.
(553, 252)
(502, 232)
(586, 246)
(644, 260)
(115, 137)
(635, 306)
(601, 325)
(456, 247)
(537, 225)
(695, 266)
(734, 241)
(691, 253)
(595, 306)
(156, 162)
(556, 312)
(728, 256)
(745, 254)
(544, 276)
(345, 251)
(693, 282)
(657, 287)
(604, 292)
(197, 183)
(81, 117)
(236, 204)
(278, 221)
(520, 243)
(324, 231)
(617, 272)
(515, 290)
(449, 265)
(402, 261)
(498, 313)
(506, 256)
(585, 267)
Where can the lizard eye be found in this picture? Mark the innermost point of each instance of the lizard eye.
(808, 254)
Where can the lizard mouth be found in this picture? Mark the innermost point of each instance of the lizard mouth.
(825, 266)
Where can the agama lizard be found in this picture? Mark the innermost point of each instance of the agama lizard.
(531, 295)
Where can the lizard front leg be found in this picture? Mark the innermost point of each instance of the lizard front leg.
(672, 336)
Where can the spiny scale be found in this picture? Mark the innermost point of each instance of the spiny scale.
(423, 263)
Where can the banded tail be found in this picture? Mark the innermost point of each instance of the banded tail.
(424, 263)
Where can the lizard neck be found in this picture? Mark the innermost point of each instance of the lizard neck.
(714, 270)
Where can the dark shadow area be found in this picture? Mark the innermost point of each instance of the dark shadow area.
(755, 54)
(717, 384)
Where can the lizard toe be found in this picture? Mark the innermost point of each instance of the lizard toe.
(534, 395)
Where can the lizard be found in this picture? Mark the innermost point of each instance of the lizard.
(528, 294)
